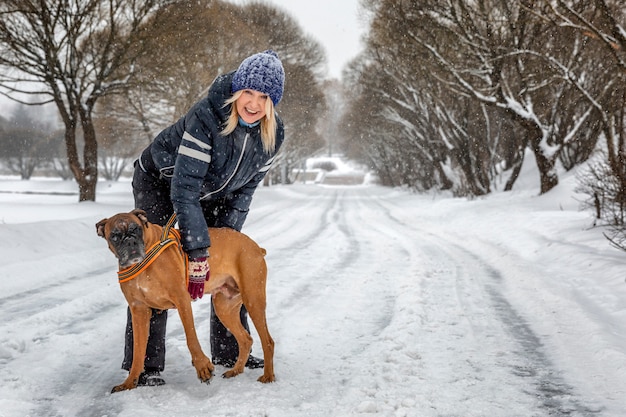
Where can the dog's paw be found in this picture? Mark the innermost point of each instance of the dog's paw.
(122, 387)
(232, 373)
(205, 377)
(204, 369)
(266, 378)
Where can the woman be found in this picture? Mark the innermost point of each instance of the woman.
(205, 168)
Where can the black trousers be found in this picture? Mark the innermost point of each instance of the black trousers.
(152, 194)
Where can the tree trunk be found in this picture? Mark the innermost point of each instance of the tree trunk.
(547, 175)
(548, 178)
(86, 175)
(87, 188)
(517, 168)
(446, 183)
(463, 157)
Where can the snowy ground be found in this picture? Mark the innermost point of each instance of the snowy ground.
(380, 302)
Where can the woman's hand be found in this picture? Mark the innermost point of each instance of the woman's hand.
(198, 273)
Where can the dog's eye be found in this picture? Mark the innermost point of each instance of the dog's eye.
(135, 230)
(114, 237)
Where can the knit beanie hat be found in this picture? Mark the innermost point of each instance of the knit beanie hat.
(261, 72)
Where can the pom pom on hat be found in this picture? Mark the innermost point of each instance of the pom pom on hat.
(261, 72)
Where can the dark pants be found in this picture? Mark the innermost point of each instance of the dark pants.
(152, 195)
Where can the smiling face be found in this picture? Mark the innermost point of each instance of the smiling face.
(251, 105)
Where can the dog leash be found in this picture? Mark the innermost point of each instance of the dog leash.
(169, 237)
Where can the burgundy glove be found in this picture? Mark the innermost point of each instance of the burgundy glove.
(198, 274)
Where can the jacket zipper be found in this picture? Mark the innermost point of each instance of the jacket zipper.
(243, 150)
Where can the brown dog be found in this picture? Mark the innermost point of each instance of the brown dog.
(238, 276)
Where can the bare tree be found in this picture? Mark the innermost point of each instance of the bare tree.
(377, 136)
(512, 60)
(458, 72)
(74, 52)
(25, 141)
(602, 25)
(431, 136)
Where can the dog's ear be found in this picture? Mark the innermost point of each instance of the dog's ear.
(100, 227)
(141, 214)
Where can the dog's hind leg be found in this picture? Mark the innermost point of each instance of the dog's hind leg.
(256, 311)
(228, 312)
(254, 298)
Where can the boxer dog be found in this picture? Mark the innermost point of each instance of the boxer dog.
(238, 276)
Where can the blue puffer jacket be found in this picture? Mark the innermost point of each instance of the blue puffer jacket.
(205, 165)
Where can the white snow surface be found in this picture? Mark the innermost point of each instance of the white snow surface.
(381, 303)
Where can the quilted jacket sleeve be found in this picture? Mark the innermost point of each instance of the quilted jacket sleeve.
(192, 162)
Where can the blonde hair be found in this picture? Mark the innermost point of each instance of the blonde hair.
(268, 123)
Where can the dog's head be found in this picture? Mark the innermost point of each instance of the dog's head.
(124, 233)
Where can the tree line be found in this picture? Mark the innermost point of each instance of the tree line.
(119, 71)
(451, 94)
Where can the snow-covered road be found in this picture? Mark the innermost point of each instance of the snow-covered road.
(380, 303)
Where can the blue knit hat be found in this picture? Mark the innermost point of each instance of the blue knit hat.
(261, 72)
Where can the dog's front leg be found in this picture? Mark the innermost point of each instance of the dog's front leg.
(141, 328)
(204, 366)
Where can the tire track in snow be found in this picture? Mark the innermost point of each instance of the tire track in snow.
(556, 395)
(34, 301)
(528, 360)
(297, 212)
(383, 368)
(372, 295)
(79, 368)
(292, 261)
(341, 282)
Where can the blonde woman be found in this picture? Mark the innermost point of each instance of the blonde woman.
(205, 168)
